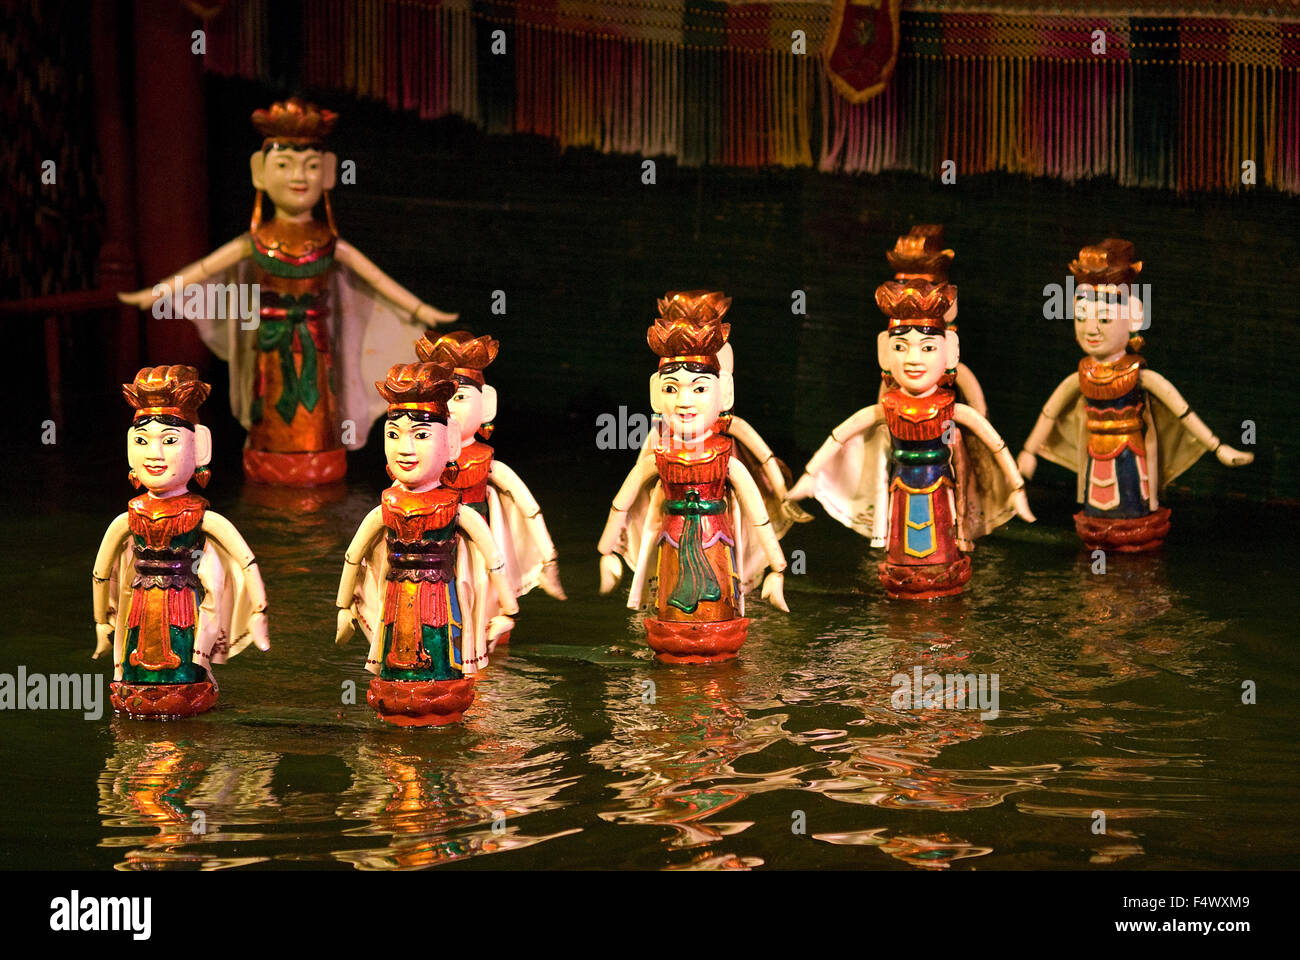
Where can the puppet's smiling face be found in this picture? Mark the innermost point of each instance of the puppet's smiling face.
(690, 402)
(294, 179)
(1104, 317)
(162, 456)
(916, 360)
(417, 451)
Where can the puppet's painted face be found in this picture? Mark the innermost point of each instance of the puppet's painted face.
(294, 179)
(917, 360)
(163, 456)
(467, 407)
(417, 451)
(690, 402)
(1104, 316)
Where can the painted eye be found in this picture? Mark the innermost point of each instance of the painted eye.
(460, 397)
(391, 435)
(169, 440)
(422, 435)
(670, 389)
(700, 390)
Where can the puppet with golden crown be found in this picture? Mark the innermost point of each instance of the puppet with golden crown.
(175, 587)
(917, 255)
(328, 321)
(408, 576)
(488, 486)
(1122, 428)
(685, 517)
(937, 503)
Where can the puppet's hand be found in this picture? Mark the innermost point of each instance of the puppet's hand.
(138, 298)
(801, 490)
(1027, 463)
(259, 627)
(1021, 503)
(103, 640)
(611, 571)
(346, 624)
(550, 580)
(432, 316)
(774, 590)
(795, 513)
(1232, 457)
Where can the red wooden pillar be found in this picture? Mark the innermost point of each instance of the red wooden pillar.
(171, 183)
(117, 266)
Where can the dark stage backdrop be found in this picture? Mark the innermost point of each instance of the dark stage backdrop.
(582, 248)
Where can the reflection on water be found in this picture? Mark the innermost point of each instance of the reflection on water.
(1119, 694)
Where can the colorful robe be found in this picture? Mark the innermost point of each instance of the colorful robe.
(1104, 439)
(177, 600)
(415, 591)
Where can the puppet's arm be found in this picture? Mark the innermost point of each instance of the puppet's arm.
(610, 568)
(388, 288)
(110, 548)
(751, 502)
(220, 259)
(223, 533)
(971, 390)
(510, 483)
(967, 417)
(367, 535)
(481, 536)
(1167, 393)
(862, 421)
(1061, 398)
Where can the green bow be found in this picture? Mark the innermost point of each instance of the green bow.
(277, 334)
(695, 579)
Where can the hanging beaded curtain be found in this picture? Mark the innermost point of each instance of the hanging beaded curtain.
(1179, 96)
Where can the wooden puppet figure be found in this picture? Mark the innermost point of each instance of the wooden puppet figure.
(685, 516)
(936, 503)
(920, 255)
(325, 320)
(768, 471)
(175, 587)
(1122, 428)
(407, 577)
(488, 486)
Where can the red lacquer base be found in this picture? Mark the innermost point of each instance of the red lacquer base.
(1123, 534)
(420, 703)
(162, 701)
(925, 582)
(295, 469)
(680, 641)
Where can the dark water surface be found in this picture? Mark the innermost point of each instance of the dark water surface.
(1119, 692)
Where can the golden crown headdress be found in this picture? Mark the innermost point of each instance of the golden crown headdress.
(167, 391)
(424, 387)
(1109, 262)
(466, 354)
(689, 328)
(920, 254)
(294, 123)
(915, 303)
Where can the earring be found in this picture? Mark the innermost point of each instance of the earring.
(135, 481)
(451, 472)
(485, 431)
(202, 475)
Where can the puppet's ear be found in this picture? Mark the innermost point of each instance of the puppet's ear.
(257, 164)
(882, 349)
(453, 438)
(727, 359)
(654, 393)
(489, 403)
(727, 384)
(202, 445)
(1137, 316)
(951, 350)
(329, 170)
